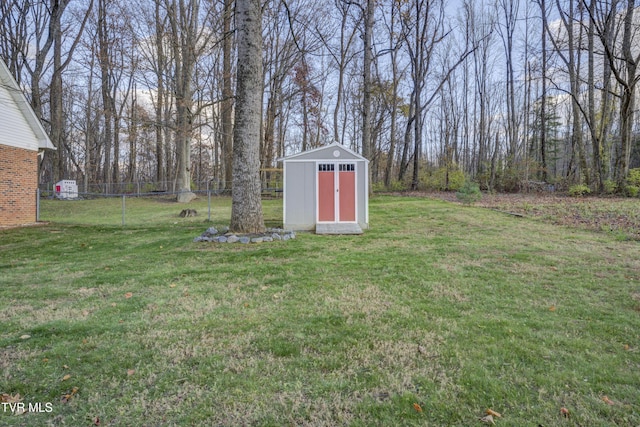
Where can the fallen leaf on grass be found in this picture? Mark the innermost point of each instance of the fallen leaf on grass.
(131, 372)
(564, 412)
(488, 419)
(128, 295)
(96, 421)
(493, 413)
(417, 407)
(173, 285)
(608, 401)
(67, 397)
(66, 377)
(7, 398)
(25, 337)
(552, 308)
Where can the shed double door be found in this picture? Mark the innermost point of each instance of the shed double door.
(336, 192)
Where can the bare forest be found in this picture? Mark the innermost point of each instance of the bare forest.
(508, 93)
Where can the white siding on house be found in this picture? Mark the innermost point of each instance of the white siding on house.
(19, 126)
(14, 129)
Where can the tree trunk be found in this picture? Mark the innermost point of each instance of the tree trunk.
(366, 86)
(161, 175)
(246, 208)
(227, 94)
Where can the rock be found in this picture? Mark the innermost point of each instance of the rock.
(222, 235)
(186, 197)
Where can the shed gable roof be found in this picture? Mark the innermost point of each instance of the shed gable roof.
(326, 152)
(19, 126)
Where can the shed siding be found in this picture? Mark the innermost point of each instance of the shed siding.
(18, 184)
(362, 189)
(300, 192)
(16, 131)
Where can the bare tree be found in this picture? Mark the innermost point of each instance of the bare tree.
(189, 39)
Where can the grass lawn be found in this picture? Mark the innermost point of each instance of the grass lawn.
(436, 314)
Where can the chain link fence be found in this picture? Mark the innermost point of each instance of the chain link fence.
(144, 204)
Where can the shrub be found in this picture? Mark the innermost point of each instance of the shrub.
(631, 190)
(634, 177)
(469, 193)
(579, 190)
(610, 187)
(444, 178)
(394, 185)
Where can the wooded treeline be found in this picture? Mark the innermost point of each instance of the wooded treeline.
(504, 92)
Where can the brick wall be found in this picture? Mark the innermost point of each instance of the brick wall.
(18, 184)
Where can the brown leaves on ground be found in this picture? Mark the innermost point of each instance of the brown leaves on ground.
(488, 419)
(417, 407)
(490, 416)
(7, 398)
(608, 401)
(493, 413)
(68, 396)
(593, 213)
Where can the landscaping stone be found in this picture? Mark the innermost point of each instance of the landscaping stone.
(222, 235)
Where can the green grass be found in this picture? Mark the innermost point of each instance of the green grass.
(457, 309)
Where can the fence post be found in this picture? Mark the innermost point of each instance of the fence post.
(123, 208)
(209, 201)
(38, 204)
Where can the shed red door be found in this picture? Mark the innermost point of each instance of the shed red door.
(347, 192)
(336, 192)
(326, 193)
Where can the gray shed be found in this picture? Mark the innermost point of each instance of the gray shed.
(326, 190)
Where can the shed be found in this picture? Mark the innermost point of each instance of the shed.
(326, 189)
(22, 139)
